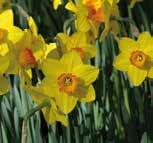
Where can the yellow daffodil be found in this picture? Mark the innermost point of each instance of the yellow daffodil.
(136, 58)
(69, 80)
(51, 112)
(28, 52)
(25, 54)
(91, 13)
(76, 42)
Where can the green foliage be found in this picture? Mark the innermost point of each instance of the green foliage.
(120, 114)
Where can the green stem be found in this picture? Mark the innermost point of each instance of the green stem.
(130, 17)
(144, 18)
(21, 10)
(24, 138)
(122, 19)
(37, 108)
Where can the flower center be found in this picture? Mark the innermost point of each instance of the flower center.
(26, 58)
(67, 83)
(1, 34)
(79, 51)
(138, 59)
(94, 13)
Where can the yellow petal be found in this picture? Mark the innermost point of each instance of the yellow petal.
(29, 73)
(15, 34)
(111, 1)
(49, 86)
(66, 103)
(94, 28)
(71, 7)
(143, 40)
(90, 95)
(54, 54)
(32, 26)
(37, 45)
(52, 114)
(127, 44)
(71, 60)
(53, 68)
(14, 65)
(4, 49)
(56, 3)
(132, 3)
(150, 72)
(49, 48)
(25, 76)
(6, 19)
(49, 115)
(90, 51)
(36, 93)
(77, 39)
(62, 118)
(82, 23)
(64, 38)
(59, 116)
(25, 40)
(87, 73)
(122, 62)
(136, 76)
(4, 85)
(4, 64)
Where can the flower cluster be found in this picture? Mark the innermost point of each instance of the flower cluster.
(65, 65)
(67, 75)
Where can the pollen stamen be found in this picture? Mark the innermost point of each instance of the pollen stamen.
(138, 59)
(67, 83)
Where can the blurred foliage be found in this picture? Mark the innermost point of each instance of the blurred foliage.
(120, 114)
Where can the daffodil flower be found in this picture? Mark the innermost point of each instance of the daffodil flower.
(76, 42)
(69, 80)
(136, 58)
(91, 13)
(26, 53)
(51, 112)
